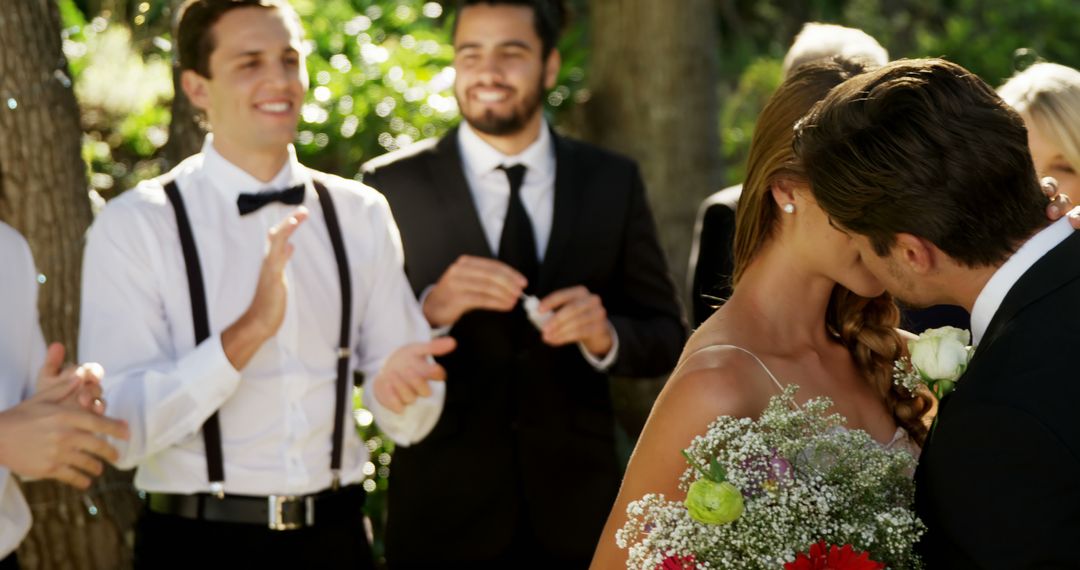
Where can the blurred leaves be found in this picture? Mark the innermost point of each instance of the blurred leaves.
(993, 38)
(380, 80)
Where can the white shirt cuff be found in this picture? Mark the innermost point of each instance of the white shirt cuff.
(415, 422)
(211, 377)
(604, 363)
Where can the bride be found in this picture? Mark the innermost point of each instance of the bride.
(804, 310)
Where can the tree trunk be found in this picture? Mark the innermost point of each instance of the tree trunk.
(653, 82)
(185, 131)
(653, 78)
(43, 194)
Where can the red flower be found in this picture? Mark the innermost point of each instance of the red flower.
(675, 562)
(824, 557)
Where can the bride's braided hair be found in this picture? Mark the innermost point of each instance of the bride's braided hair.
(867, 327)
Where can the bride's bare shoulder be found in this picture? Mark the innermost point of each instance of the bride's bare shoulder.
(719, 380)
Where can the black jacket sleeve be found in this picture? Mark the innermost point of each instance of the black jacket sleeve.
(646, 313)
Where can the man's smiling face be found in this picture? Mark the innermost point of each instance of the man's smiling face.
(257, 79)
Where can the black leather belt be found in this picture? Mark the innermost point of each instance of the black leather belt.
(277, 512)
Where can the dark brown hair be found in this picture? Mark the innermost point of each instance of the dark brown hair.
(549, 18)
(927, 148)
(195, 23)
(866, 327)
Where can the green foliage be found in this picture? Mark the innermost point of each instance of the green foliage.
(123, 128)
(381, 449)
(740, 110)
(993, 38)
(380, 80)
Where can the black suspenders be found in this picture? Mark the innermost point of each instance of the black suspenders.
(215, 464)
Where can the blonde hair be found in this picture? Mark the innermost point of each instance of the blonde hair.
(866, 327)
(1048, 95)
(818, 41)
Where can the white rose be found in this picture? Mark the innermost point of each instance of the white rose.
(941, 354)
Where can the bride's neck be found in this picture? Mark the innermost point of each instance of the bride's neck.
(785, 301)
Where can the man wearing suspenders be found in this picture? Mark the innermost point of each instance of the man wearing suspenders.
(229, 352)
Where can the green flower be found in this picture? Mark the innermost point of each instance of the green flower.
(710, 502)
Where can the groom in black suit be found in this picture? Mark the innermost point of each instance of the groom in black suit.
(929, 172)
(540, 255)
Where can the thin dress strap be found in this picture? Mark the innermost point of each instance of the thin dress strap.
(740, 349)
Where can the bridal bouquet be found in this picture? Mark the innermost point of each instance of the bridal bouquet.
(791, 490)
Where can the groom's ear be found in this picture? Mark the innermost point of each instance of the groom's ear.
(916, 253)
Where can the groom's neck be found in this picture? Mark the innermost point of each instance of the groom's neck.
(969, 282)
(965, 286)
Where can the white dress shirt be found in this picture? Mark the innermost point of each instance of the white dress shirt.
(1002, 281)
(490, 189)
(22, 351)
(277, 413)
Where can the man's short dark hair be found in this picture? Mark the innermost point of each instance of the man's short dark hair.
(549, 18)
(923, 147)
(195, 23)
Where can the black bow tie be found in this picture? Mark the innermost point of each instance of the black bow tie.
(248, 203)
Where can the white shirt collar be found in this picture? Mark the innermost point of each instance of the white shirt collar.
(481, 158)
(1003, 280)
(232, 180)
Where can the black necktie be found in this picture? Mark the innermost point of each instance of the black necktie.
(248, 203)
(517, 245)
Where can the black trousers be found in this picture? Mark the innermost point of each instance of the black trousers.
(10, 563)
(169, 541)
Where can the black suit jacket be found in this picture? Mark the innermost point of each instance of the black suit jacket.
(526, 440)
(712, 261)
(998, 484)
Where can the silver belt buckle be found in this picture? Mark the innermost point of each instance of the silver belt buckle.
(276, 508)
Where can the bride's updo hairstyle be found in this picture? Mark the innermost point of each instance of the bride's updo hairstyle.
(867, 327)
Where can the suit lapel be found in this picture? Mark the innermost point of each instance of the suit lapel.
(568, 197)
(462, 219)
(1057, 268)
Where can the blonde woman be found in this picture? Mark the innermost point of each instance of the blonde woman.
(1047, 96)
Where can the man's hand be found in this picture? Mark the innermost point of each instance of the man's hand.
(404, 377)
(86, 379)
(263, 317)
(473, 283)
(45, 438)
(579, 316)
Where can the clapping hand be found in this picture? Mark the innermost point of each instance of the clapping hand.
(56, 434)
(84, 379)
(405, 374)
(264, 316)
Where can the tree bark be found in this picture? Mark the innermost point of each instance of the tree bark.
(43, 194)
(653, 82)
(653, 78)
(185, 131)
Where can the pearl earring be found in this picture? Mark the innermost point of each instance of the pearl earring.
(789, 208)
